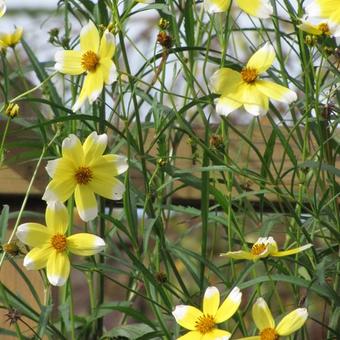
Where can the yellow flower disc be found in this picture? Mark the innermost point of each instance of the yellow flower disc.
(205, 324)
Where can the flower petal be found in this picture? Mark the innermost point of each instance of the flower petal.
(59, 190)
(94, 146)
(240, 255)
(85, 244)
(308, 27)
(262, 315)
(107, 45)
(86, 202)
(256, 337)
(291, 251)
(58, 268)
(211, 301)
(56, 217)
(112, 189)
(320, 8)
(226, 105)
(193, 335)
(254, 101)
(216, 334)
(73, 150)
(216, 6)
(186, 316)
(109, 165)
(292, 322)
(229, 306)
(68, 62)
(225, 80)
(109, 70)
(37, 258)
(262, 59)
(60, 167)
(33, 234)
(275, 91)
(89, 38)
(2, 8)
(258, 8)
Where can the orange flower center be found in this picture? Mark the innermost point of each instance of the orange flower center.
(258, 248)
(205, 324)
(269, 334)
(83, 175)
(89, 61)
(249, 75)
(59, 242)
(323, 27)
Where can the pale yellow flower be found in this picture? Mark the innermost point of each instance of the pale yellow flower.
(326, 9)
(202, 324)
(94, 59)
(257, 8)
(3, 8)
(84, 171)
(11, 39)
(323, 28)
(264, 247)
(264, 321)
(246, 89)
(50, 246)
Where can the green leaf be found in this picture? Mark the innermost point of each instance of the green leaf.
(132, 332)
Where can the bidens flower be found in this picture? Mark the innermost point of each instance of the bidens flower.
(257, 8)
(94, 58)
(202, 325)
(246, 88)
(264, 321)
(51, 246)
(264, 247)
(84, 170)
(327, 9)
(11, 39)
(322, 28)
(3, 8)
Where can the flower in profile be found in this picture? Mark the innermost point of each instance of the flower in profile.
(326, 9)
(202, 325)
(257, 8)
(264, 247)
(11, 39)
(246, 89)
(264, 321)
(51, 247)
(94, 59)
(84, 171)
(3, 8)
(323, 28)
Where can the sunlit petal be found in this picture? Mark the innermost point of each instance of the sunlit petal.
(107, 45)
(216, 334)
(85, 244)
(192, 335)
(225, 80)
(37, 258)
(109, 70)
(276, 91)
(33, 234)
(59, 190)
(58, 268)
(254, 101)
(320, 8)
(211, 301)
(292, 322)
(94, 146)
(186, 316)
(109, 165)
(226, 105)
(262, 59)
(69, 62)
(240, 255)
(216, 6)
(292, 251)
(73, 150)
(262, 315)
(258, 8)
(89, 38)
(86, 202)
(56, 217)
(60, 166)
(109, 188)
(229, 306)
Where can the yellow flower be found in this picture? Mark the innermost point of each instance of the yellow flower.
(84, 170)
(50, 246)
(11, 39)
(326, 9)
(94, 58)
(3, 8)
(246, 88)
(264, 247)
(202, 325)
(322, 28)
(264, 321)
(257, 8)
